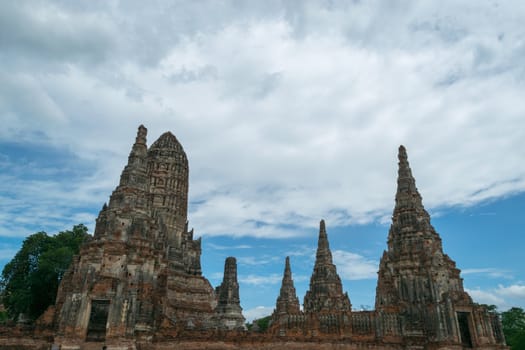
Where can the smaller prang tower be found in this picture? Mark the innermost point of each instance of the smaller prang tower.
(287, 301)
(421, 284)
(326, 307)
(229, 312)
(325, 295)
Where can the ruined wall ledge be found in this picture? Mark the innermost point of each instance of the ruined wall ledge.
(247, 343)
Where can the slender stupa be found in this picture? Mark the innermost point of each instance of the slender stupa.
(421, 283)
(287, 301)
(326, 291)
(229, 311)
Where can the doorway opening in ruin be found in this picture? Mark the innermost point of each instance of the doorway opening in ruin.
(97, 320)
(464, 330)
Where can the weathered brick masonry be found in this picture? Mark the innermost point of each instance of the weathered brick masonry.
(137, 284)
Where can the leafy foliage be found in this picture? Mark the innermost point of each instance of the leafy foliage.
(491, 308)
(263, 323)
(513, 321)
(3, 317)
(30, 281)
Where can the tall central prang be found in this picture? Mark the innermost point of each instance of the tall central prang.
(140, 275)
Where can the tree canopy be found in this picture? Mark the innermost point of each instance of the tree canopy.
(513, 322)
(30, 281)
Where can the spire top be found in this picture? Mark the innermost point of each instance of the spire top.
(402, 153)
(142, 132)
(409, 209)
(323, 248)
(287, 270)
(407, 193)
(134, 174)
(404, 167)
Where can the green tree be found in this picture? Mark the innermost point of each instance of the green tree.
(491, 307)
(513, 322)
(263, 323)
(30, 281)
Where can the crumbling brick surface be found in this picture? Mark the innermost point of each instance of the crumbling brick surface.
(137, 284)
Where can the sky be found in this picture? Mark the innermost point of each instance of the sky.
(290, 112)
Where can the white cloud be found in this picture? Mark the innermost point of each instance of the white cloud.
(54, 203)
(288, 112)
(353, 266)
(257, 312)
(484, 297)
(274, 278)
(302, 251)
(504, 297)
(258, 260)
(489, 272)
(261, 280)
(512, 291)
(228, 247)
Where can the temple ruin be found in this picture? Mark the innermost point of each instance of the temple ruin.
(140, 276)
(420, 299)
(137, 283)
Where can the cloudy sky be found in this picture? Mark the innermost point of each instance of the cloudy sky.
(289, 112)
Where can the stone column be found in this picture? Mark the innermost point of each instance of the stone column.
(229, 311)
